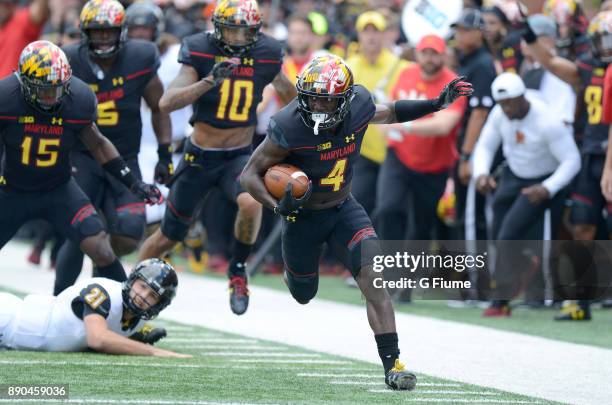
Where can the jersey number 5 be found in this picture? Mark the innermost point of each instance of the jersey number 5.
(44, 156)
(335, 178)
(108, 115)
(236, 88)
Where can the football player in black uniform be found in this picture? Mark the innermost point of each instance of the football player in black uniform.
(44, 113)
(223, 74)
(121, 72)
(587, 73)
(338, 113)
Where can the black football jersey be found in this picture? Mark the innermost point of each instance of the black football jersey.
(327, 158)
(592, 72)
(37, 145)
(510, 54)
(119, 91)
(234, 102)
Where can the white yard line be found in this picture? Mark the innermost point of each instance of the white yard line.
(209, 340)
(382, 384)
(509, 361)
(263, 355)
(238, 349)
(339, 375)
(124, 401)
(289, 361)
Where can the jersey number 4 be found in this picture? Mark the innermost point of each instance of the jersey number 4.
(44, 157)
(234, 89)
(335, 178)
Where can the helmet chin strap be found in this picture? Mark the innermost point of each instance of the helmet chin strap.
(318, 119)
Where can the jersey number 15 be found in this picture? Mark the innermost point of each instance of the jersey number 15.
(44, 156)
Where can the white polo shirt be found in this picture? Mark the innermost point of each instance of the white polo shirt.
(537, 145)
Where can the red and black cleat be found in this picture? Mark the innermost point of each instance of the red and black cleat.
(239, 294)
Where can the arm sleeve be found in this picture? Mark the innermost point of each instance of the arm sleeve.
(275, 134)
(564, 149)
(92, 299)
(607, 99)
(487, 145)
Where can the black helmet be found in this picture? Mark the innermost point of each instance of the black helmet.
(160, 277)
(145, 15)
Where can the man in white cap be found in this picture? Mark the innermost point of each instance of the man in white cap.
(542, 158)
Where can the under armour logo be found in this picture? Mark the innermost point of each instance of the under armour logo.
(118, 81)
(349, 139)
(248, 61)
(189, 157)
(125, 171)
(2, 181)
(56, 121)
(291, 218)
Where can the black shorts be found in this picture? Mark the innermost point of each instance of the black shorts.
(199, 171)
(66, 207)
(587, 200)
(343, 227)
(123, 211)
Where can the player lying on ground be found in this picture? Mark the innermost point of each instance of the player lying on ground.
(96, 314)
(321, 132)
(44, 112)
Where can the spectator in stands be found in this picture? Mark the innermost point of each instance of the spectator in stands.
(542, 159)
(376, 68)
(419, 160)
(19, 27)
(475, 63)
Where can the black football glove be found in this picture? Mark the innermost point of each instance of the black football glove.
(149, 193)
(289, 204)
(222, 70)
(528, 34)
(164, 169)
(149, 335)
(452, 91)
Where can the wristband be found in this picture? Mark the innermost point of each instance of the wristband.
(121, 171)
(164, 151)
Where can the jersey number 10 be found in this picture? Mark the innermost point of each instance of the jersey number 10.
(236, 88)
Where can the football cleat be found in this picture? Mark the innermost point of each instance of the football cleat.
(398, 378)
(497, 311)
(574, 312)
(149, 334)
(239, 294)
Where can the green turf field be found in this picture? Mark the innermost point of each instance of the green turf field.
(230, 369)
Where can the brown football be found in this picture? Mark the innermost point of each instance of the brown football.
(278, 176)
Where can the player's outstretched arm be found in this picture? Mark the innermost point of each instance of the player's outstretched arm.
(564, 69)
(284, 88)
(162, 126)
(103, 340)
(266, 155)
(409, 110)
(107, 155)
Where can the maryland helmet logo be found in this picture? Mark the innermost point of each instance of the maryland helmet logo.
(326, 75)
(44, 75)
(102, 14)
(44, 63)
(237, 12)
(601, 24)
(561, 10)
